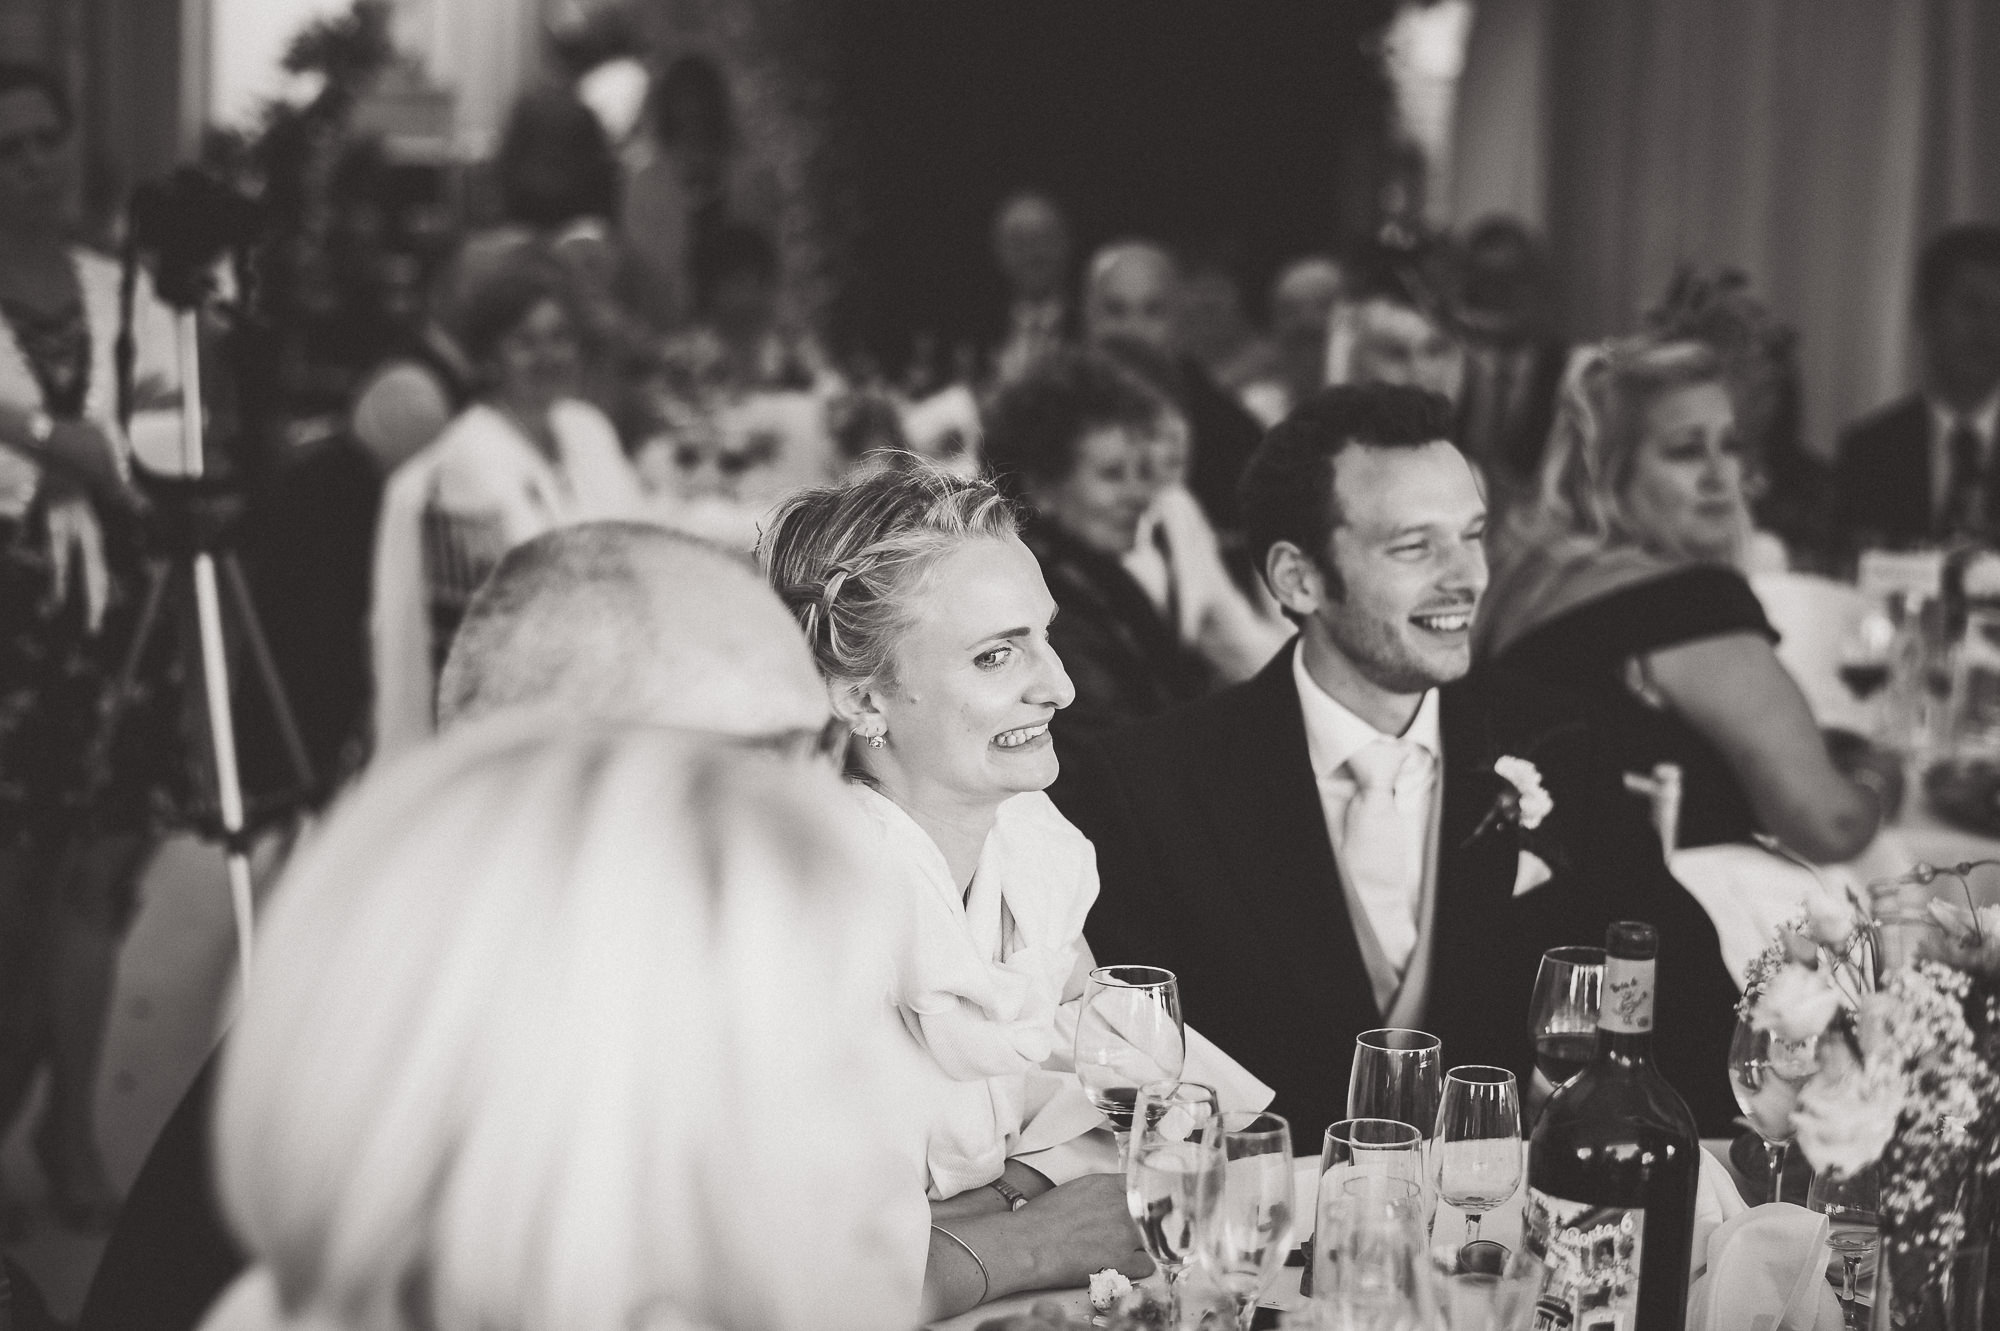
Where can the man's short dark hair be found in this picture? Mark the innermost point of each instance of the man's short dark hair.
(1972, 244)
(1286, 493)
(1035, 424)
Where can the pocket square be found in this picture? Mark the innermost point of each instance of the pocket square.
(1530, 873)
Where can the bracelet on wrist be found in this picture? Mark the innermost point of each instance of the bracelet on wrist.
(985, 1281)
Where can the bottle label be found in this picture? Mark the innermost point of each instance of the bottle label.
(1590, 1257)
(1627, 1004)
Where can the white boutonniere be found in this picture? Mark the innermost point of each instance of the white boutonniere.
(1531, 802)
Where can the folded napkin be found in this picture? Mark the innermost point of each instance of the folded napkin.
(1765, 1270)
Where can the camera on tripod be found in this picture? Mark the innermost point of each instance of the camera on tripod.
(186, 223)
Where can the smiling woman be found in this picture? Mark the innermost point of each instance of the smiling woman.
(930, 622)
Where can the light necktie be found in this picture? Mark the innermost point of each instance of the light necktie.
(1375, 848)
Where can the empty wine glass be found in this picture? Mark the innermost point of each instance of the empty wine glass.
(1766, 1072)
(1852, 1204)
(1244, 1234)
(1397, 1074)
(1377, 1158)
(1477, 1145)
(1562, 1016)
(1128, 1033)
(1170, 1171)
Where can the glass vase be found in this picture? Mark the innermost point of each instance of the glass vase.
(1956, 1304)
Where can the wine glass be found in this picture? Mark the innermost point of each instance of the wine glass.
(1397, 1074)
(1766, 1072)
(1243, 1235)
(1172, 1167)
(1562, 1016)
(1477, 1144)
(1852, 1203)
(1128, 1033)
(1365, 1157)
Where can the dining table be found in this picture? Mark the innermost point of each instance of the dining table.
(1502, 1224)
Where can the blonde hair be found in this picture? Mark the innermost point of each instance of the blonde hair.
(1579, 499)
(565, 1027)
(848, 560)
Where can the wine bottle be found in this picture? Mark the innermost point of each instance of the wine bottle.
(1613, 1169)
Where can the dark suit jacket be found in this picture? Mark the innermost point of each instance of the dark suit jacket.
(1215, 863)
(1882, 477)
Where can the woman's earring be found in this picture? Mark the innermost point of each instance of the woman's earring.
(877, 741)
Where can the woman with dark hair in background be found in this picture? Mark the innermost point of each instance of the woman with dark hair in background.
(1074, 438)
(528, 455)
(79, 808)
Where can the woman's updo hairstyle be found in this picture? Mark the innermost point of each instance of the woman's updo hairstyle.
(848, 560)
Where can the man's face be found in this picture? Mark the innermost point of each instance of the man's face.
(34, 159)
(1133, 298)
(1407, 566)
(1031, 245)
(1962, 331)
(1394, 344)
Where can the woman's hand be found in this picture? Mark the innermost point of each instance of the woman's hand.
(76, 553)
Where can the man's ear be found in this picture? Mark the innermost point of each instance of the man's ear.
(1296, 581)
(859, 706)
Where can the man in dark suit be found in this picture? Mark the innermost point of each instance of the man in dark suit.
(1923, 468)
(1031, 247)
(1337, 844)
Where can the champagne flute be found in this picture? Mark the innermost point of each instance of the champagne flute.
(1562, 1016)
(1397, 1074)
(1377, 1157)
(1172, 1172)
(1852, 1203)
(1478, 1142)
(1128, 1033)
(1243, 1235)
(1766, 1072)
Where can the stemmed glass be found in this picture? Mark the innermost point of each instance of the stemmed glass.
(1172, 1172)
(1397, 1074)
(1478, 1142)
(1766, 1072)
(1852, 1203)
(1128, 1033)
(1243, 1235)
(1562, 1017)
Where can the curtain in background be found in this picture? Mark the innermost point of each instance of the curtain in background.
(1814, 144)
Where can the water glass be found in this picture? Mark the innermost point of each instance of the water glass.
(1397, 1074)
(1370, 1264)
(1477, 1145)
(1375, 1159)
(1247, 1229)
(1128, 1033)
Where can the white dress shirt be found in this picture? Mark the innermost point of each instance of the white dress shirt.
(1984, 419)
(1333, 735)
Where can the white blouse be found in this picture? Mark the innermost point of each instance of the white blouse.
(980, 984)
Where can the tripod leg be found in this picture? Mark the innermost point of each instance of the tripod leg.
(267, 668)
(222, 737)
(97, 764)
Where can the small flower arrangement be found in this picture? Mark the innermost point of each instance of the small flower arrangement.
(1522, 803)
(1902, 1005)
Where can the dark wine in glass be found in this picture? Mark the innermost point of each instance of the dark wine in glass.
(1563, 1054)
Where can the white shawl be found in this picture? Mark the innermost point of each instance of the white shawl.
(481, 465)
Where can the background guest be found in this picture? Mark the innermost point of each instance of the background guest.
(527, 456)
(931, 625)
(1615, 583)
(80, 807)
(624, 1021)
(1394, 325)
(1132, 290)
(1513, 359)
(737, 343)
(1923, 467)
(1075, 438)
(1303, 297)
(1031, 247)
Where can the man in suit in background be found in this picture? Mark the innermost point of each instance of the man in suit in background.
(1923, 468)
(1132, 293)
(1031, 247)
(1334, 845)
